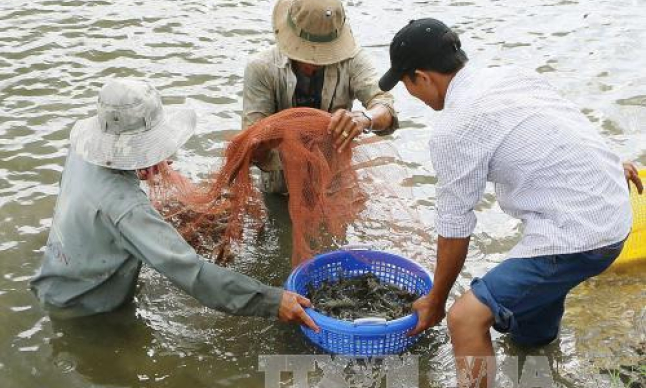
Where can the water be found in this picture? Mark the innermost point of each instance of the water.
(54, 55)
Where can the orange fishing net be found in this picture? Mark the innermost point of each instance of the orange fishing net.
(324, 191)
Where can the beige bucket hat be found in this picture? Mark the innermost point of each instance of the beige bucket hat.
(313, 31)
(131, 130)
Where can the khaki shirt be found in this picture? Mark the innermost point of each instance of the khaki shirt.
(104, 228)
(269, 85)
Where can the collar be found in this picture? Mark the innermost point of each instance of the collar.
(459, 81)
(281, 60)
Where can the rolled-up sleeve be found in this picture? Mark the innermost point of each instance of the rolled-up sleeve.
(364, 83)
(258, 97)
(155, 242)
(462, 166)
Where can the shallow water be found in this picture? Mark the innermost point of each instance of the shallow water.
(54, 55)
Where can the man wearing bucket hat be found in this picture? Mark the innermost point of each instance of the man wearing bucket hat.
(316, 63)
(104, 226)
(551, 169)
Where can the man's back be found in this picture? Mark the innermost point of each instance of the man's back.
(82, 251)
(550, 166)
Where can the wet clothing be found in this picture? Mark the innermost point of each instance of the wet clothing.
(104, 228)
(550, 167)
(527, 295)
(270, 86)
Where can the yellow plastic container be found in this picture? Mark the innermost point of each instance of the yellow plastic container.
(634, 251)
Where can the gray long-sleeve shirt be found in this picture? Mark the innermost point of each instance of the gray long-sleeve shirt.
(104, 228)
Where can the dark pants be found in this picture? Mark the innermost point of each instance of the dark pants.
(527, 295)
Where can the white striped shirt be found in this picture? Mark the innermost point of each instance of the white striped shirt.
(550, 167)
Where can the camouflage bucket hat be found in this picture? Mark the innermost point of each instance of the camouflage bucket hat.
(131, 130)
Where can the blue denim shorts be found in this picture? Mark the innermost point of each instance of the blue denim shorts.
(527, 295)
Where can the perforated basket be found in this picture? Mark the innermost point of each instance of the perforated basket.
(367, 336)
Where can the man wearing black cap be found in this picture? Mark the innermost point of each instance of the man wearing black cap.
(551, 169)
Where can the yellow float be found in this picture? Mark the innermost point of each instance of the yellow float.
(634, 252)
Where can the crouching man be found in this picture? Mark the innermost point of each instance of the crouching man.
(105, 227)
(551, 170)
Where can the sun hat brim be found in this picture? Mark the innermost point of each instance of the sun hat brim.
(133, 151)
(316, 53)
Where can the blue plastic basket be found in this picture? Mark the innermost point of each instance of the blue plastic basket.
(366, 336)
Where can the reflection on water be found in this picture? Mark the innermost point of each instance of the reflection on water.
(54, 54)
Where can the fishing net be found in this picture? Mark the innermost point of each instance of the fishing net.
(325, 193)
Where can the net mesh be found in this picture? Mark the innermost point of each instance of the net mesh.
(326, 194)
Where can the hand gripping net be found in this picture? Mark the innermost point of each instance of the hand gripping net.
(324, 191)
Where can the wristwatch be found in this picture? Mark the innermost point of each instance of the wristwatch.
(369, 116)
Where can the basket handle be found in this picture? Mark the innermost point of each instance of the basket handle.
(356, 247)
(370, 321)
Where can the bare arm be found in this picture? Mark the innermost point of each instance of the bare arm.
(462, 168)
(451, 254)
(632, 175)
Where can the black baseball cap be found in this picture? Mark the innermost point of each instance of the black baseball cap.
(426, 44)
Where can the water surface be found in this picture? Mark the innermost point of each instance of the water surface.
(55, 54)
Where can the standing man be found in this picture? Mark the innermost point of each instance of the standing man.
(551, 169)
(105, 227)
(316, 63)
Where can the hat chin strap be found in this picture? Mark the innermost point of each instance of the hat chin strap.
(314, 38)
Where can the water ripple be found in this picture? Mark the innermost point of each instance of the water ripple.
(55, 54)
